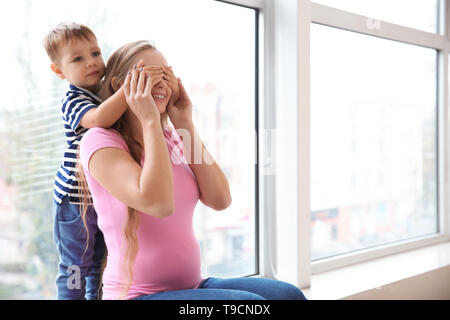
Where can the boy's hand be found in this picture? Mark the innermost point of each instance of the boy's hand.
(155, 72)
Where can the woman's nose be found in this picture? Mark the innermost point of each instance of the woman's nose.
(161, 84)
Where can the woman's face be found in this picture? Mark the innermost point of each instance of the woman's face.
(161, 92)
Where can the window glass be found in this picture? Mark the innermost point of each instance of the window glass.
(216, 61)
(373, 141)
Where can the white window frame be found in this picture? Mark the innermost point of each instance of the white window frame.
(292, 161)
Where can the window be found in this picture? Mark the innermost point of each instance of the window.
(373, 140)
(418, 14)
(332, 89)
(378, 134)
(205, 50)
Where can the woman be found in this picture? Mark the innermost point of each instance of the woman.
(145, 185)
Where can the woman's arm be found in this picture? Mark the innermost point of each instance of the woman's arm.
(212, 182)
(149, 188)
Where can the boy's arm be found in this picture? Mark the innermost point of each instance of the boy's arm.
(107, 113)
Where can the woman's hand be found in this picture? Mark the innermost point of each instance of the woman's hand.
(137, 89)
(172, 82)
(180, 113)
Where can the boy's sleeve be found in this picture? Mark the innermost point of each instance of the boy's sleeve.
(73, 109)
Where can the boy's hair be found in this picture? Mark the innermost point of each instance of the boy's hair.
(62, 34)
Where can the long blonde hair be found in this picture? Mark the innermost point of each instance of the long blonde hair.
(117, 67)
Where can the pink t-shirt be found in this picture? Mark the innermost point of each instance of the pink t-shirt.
(168, 257)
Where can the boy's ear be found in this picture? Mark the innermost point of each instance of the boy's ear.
(57, 70)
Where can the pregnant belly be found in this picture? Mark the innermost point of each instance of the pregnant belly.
(169, 267)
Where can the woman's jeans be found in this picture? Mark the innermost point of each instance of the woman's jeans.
(233, 289)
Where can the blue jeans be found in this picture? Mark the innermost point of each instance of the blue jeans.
(244, 288)
(79, 271)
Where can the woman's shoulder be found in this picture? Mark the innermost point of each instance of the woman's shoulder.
(98, 132)
(100, 136)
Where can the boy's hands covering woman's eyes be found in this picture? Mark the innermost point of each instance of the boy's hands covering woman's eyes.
(156, 72)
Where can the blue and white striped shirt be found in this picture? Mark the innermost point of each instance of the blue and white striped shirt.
(75, 104)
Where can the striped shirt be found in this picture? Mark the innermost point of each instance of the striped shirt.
(75, 104)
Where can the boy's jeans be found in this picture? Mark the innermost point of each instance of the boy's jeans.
(79, 272)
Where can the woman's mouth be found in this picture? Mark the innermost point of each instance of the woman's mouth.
(158, 96)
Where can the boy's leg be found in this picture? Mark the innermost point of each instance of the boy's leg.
(70, 239)
(93, 280)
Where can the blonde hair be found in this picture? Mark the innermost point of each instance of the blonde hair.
(64, 33)
(117, 67)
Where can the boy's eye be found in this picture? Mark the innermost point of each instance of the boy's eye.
(77, 59)
(96, 53)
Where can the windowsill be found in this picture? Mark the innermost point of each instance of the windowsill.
(350, 280)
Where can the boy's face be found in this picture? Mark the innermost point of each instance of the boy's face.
(80, 61)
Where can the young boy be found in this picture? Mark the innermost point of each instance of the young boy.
(76, 57)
